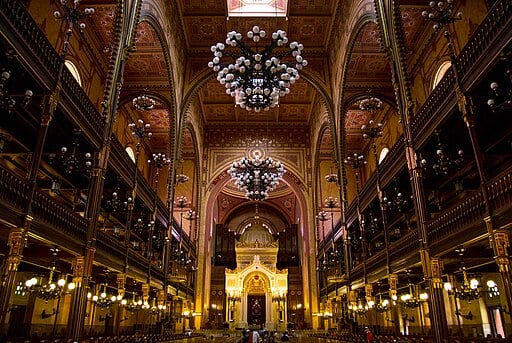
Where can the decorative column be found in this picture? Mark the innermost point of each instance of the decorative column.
(16, 242)
(436, 299)
(392, 32)
(356, 162)
(121, 280)
(393, 283)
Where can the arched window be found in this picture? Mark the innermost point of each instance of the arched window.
(74, 71)
(443, 68)
(383, 154)
(130, 153)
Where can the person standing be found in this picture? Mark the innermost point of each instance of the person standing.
(368, 335)
(255, 336)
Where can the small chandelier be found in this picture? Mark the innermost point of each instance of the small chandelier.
(332, 177)
(143, 102)
(256, 79)
(370, 104)
(256, 176)
(50, 290)
(103, 300)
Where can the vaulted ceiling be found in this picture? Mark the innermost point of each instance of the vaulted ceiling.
(206, 22)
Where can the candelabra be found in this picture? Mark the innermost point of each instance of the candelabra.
(133, 304)
(73, 14)
(356, 162)
(382, 305)
(140, 131)
(331, 177)
(50, 290)
(181, 177)
(9, 100)
(502, 95)
(178, 259)
(143, 102)
(444, 163)
(191, 215)
(467, 291)
(73, 161)
(370, 104)
(104, 300)
(322, 217)
(441, 14)
(256, 79)
(400, 203)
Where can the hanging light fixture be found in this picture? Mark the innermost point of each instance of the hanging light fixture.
(50, 290)
(444, 162)
(143, 102)
(104, 300)
(468, 290)
(370, 104)
(256, 78)
(256, 174)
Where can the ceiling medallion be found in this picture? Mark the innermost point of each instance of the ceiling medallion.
(257, 78)
(256, 174)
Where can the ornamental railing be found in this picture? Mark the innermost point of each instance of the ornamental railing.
(475, 54)
(456, 219)
(47, 213)
(29, 36)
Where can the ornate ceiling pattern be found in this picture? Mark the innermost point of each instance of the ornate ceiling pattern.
(318, 24)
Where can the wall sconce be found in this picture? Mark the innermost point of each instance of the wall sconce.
(45, 315)
(468, 316)
(107, 316)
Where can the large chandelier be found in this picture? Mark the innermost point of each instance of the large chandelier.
(256, 176)
(257, 78)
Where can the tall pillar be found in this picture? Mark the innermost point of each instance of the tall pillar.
(434, 285)
(121, 280)
(500, 245)
(395, 318)
(78, 307)
(16, 242)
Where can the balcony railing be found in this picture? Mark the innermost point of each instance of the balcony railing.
(29, 36)
(483, 46)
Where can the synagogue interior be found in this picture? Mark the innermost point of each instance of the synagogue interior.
(322, 167)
